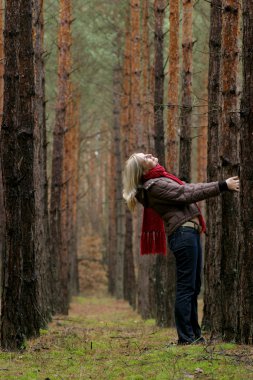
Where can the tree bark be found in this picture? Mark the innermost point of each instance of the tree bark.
(173, 90)
(212, 285)
(159, 9)
(74, 170)
(136, 106)
(21, 316)
(42, 240)
(229, 161)
(60, 263)
(146, 264)
(2, 221)
(164, 302)
(245, 331)
(119, 205)
(186, 110)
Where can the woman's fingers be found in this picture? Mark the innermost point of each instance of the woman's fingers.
(233, 183)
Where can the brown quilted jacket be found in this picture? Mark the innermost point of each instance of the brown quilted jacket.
(175, 203)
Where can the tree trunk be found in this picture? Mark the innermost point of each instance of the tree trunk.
(245, 331)
(173, 89)
(164, 313)
(2, 221)
(229, 160)
(42, 240)
(75, 153)
(186, 110)
(146, 264)
(212, 289)
(159, 8)
(21, 316)
(60, 264)
(112, 246)
(119, 205)
(136, 106)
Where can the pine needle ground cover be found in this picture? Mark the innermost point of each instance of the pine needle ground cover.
(103, 338)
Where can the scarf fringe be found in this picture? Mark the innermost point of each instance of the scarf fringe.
(153, 242)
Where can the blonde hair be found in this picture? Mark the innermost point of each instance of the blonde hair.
(131, 179)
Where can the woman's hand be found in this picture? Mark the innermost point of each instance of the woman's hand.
(233, 183)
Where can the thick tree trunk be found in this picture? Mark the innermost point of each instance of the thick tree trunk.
(173, 90)
(212, 288)
(245, 333)
(21, 317)
(42, 240)
(60, 263)
(229, 160)
(186, 110)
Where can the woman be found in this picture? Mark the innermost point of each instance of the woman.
(171, 204)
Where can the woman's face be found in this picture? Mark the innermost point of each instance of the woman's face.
(148, 161)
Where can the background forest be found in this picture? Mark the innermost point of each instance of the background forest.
(87, 83)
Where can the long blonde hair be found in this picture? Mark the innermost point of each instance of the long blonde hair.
(132, 174)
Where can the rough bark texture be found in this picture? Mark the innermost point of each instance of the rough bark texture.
(60, 263)
(20, 317)
(2, 221)
(146, 264)
(159, 9)
(42, 241)
(229, 160)
(245, 330)
(173, 89)
(212, 289)
(164, 301)
(136, 106)
(186, 110)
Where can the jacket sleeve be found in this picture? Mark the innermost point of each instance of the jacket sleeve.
(173, 192)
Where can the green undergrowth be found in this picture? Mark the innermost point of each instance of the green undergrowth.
(103, 338)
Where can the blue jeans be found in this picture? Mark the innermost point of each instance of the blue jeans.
(186, 247)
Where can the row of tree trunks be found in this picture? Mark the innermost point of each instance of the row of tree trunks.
(20, 309)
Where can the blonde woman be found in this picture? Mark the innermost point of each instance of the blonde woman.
(170, 208)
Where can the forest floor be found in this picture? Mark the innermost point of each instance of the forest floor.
(103, 338)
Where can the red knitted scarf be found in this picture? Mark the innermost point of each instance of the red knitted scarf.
(153, 238)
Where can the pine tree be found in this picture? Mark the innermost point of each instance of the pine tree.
(20, 315)
(245, 333)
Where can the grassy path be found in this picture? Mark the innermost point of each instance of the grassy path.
(104, 339)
